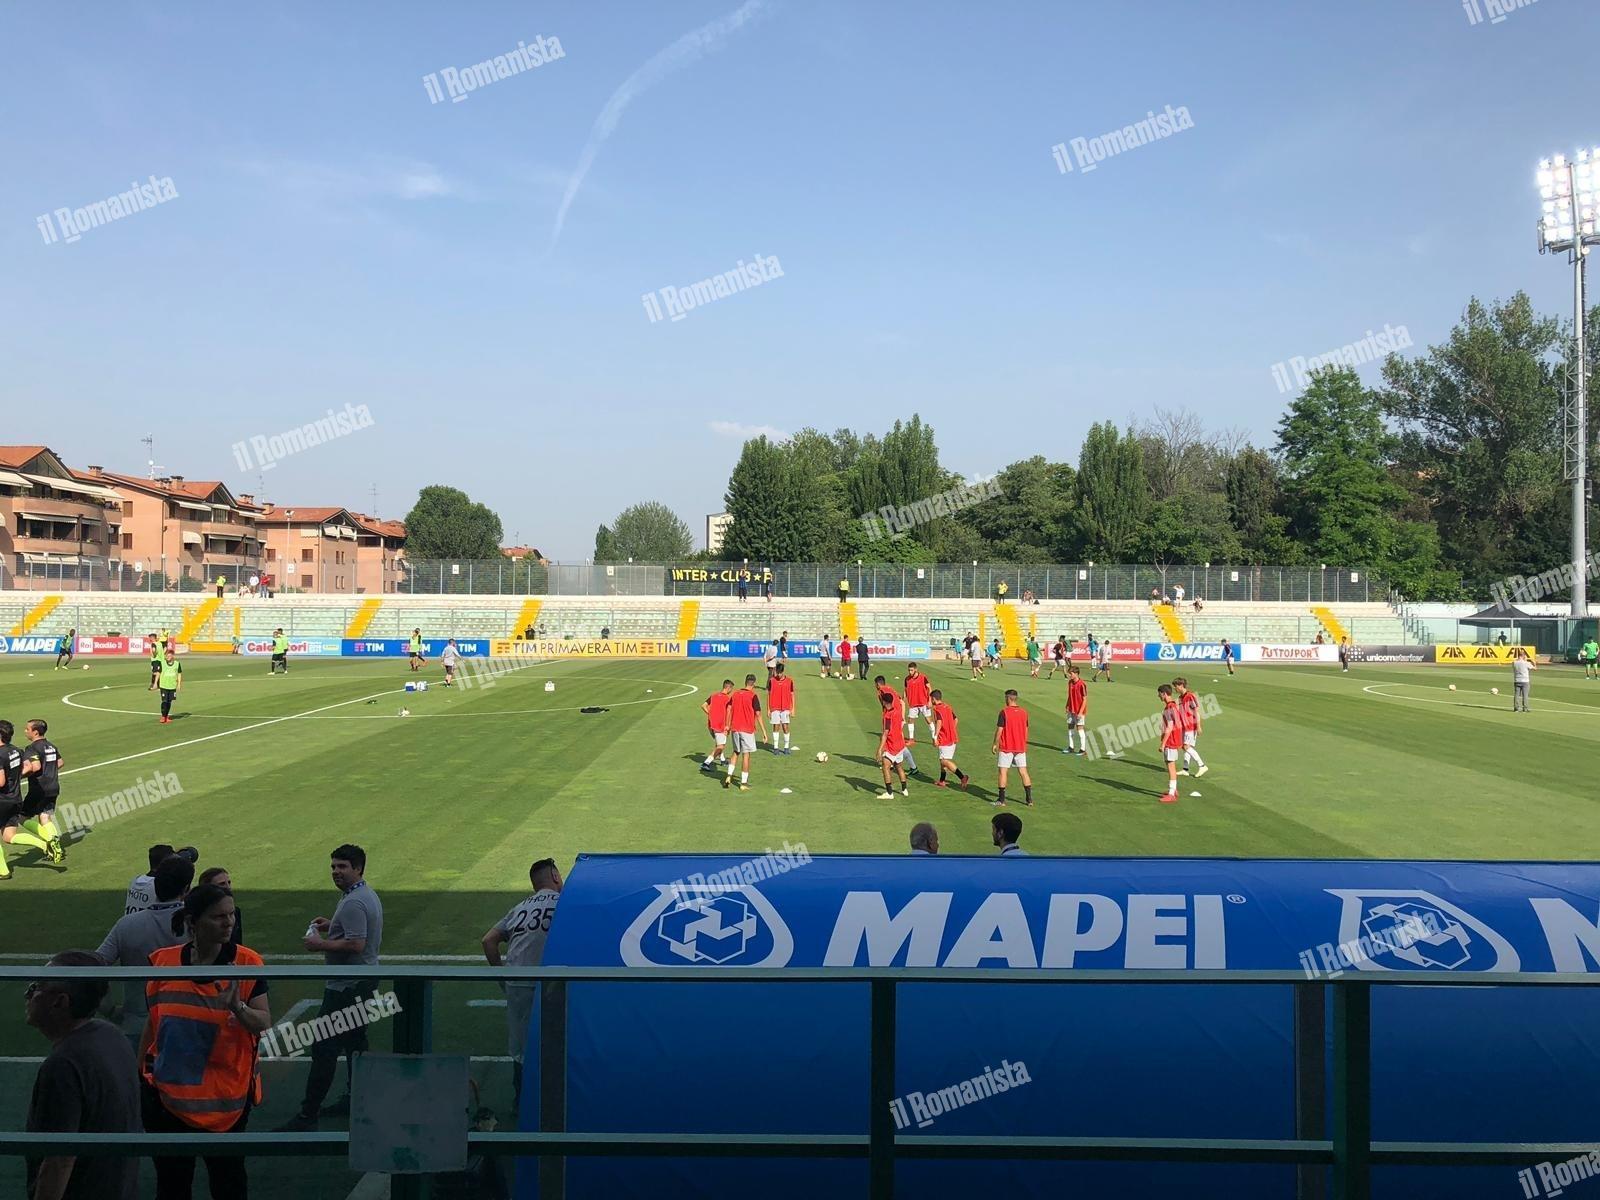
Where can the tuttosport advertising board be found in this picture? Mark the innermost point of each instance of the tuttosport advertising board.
(401, 647)
(114, 645)
(1108, 1060)
(1287, 652)
(303, 647)
(805, 649)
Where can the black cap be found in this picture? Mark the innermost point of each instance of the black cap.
(188, 852)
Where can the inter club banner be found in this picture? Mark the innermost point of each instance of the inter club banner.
(1106, 1060)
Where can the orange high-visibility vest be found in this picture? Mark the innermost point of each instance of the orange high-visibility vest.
(203, 1062)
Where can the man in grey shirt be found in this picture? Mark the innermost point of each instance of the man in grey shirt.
(351, 937)
(87, 1084)
(139, 934)
(924, 838)
(1521, 666)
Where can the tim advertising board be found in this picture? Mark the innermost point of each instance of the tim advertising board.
(401, 647)
(303, 647)
(1475, 654)
(730, 649)
(574, 648)
(1112, 1059)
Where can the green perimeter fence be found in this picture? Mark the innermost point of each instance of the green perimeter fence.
(1332, 1149)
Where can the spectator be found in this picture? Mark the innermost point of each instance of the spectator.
(766, 587)
(138, 935)
(220, 877)
(1199, 605)
(1155, 595)
(200, 1063)
(1007, 831)
(352, 937)
(141, 891)
(924, 838)
(524, 930)
(744, 585)
(87, 1084)
(1177, 593)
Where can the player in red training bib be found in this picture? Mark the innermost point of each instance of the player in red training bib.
(918, 702)
(1189, 712)
(716, 710)
(1011, 745)
(944, 737)
(1171, 740)
(891, 745)
(744, 719)
(780, 695)
(884, 689)
(1077, 712)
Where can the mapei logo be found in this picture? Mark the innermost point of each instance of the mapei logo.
(1392, 919)
(728, 926)
(1167, 653)
(1190, 652)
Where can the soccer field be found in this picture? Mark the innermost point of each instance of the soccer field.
(455, 800)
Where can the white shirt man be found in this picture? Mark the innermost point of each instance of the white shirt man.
(524, 930)
(1177, 593)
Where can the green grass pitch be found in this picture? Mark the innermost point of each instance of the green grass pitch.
(454, 801)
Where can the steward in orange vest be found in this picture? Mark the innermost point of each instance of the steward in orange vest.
(200, 1058)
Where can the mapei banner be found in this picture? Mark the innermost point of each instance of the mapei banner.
(701, 648)
(1183, 652)
(401, 647)
(597, 648)
(31, 644)
(1104, 1060)
(1479, 654)
(301, 647)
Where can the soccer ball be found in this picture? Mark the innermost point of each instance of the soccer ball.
(1452, 687)
(822, 756)
(1494, 691)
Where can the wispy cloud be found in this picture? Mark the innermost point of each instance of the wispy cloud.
(684, 52)
(378, 178)
(737, 429)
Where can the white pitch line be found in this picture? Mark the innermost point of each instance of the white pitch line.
(210, 737)
(1573, 710)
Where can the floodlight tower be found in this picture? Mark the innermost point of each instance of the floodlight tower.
(1570, 192)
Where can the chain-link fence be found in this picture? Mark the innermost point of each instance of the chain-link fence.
(943, 581)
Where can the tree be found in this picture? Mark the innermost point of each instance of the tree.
(650, 532)
(445, 523)
(1479, 446)
(1113, 495)
(1255, 508)
(1030, 521)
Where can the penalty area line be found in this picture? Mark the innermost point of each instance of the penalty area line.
(211, 737)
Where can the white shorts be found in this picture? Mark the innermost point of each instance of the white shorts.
(1009, 759)
(894, 756)
(779, 716)
(1076, 721)
(948, 753)
(719, 736)
(1171, 753)
(921, 710)
(744, 743)
(1188, 737)
(519, 1008)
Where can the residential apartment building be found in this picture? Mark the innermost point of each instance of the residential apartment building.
(59, 532)
(380, 554)
(182, 534)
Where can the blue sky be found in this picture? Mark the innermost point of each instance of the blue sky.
(338, 238)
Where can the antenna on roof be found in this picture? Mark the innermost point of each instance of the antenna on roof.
(149, 443)
(374, 491)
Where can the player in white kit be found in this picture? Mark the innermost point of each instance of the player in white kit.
(524, 930)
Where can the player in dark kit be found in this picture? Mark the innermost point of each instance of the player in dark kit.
(41, 764)
(11, 831)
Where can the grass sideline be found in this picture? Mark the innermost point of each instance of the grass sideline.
(452, 802)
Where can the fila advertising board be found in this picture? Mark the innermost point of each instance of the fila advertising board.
(1479, 654)
(1175, 1060)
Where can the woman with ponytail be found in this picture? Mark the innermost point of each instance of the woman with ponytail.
(199, 1058)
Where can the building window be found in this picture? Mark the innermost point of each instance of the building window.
(272, 554)
(127, 541)
(305, 582)
(305, 555)
(127, 508)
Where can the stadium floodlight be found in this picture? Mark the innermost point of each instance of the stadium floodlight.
(1569, 195)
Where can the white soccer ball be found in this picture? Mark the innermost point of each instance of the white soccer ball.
(1494, 691)
(85, 666)
(822, 756)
